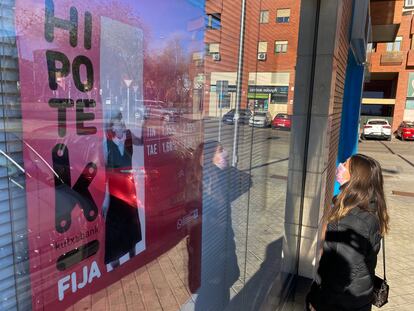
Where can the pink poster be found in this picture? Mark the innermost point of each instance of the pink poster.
(108, 155)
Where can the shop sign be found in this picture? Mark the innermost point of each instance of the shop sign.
(268, 89)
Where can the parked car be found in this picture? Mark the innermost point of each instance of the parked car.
(282, 121)
(244, 116)
(156, 110)
(406, 130)
(261, 119)
(377, 128)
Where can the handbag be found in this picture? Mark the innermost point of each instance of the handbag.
(381, 287)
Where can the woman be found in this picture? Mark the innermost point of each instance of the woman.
(356, 222)
(123, 229)
(219, 261)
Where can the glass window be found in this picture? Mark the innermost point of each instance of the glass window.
(407, 125)
(214, 21)
(394, 46)
(264, 17)
(377, 122)
(409, 104)
(409, 3)
(283, 16)
(371, 47)
(281, 46)
(132, 170)
(262, 47)
(282, 116)
(213, 48)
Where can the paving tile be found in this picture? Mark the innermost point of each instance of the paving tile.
(400, 253)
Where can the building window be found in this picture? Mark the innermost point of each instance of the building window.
(409, 3)
(409, 104)
(198, 58)
(281, 46)
(213, 48)
(371, 47)
(262, 47)
(394, 46)
(283, 16)
(264, 17)
(214, 21)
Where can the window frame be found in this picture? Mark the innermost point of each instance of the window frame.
(259, 50)
(212, 19)
(215, 51)
(284, 46)
(391, 46)
(282, 19)
(409, 5)
(261, 20)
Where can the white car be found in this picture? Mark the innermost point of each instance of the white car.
(377, 128)
(261, 119)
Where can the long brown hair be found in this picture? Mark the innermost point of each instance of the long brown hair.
(365, 187)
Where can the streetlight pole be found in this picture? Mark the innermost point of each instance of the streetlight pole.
(128, 104)
(128, 83)
(239, 81)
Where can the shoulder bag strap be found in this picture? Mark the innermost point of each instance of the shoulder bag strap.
(383, 254)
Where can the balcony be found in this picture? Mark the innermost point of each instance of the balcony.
(385, 19)
(392, 58)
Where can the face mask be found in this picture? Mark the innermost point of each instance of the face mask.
(222, 161)
(340, 174)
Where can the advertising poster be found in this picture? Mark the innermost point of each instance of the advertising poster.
(110, 148)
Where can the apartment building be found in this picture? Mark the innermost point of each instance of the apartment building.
(389, 89)
(269, 59)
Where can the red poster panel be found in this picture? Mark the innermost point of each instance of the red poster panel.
(112, 176)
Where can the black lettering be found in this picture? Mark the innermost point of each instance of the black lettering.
(52, 22)
(54, 73)
(88, 84)
(66, 196)
(88, 30)
(82, 116)
(61, 104)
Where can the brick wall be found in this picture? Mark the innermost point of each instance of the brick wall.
(340, 60)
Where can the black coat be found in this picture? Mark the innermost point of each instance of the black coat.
(347, 266)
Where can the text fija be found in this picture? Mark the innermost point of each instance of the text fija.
(74, 282)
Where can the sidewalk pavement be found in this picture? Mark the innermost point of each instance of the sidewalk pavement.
(397, 161)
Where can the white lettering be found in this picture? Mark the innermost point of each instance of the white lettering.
(152, 149)
(168, 146)
(85, 278)
(95, 273)
(151, 132)
(64, 283)
(170, 130)
(74, 285)
(63, 286)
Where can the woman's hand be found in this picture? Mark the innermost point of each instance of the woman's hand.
(311, 308)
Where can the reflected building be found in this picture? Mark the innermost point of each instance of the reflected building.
(269, 55)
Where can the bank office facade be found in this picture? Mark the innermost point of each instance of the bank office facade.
(64, 197)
